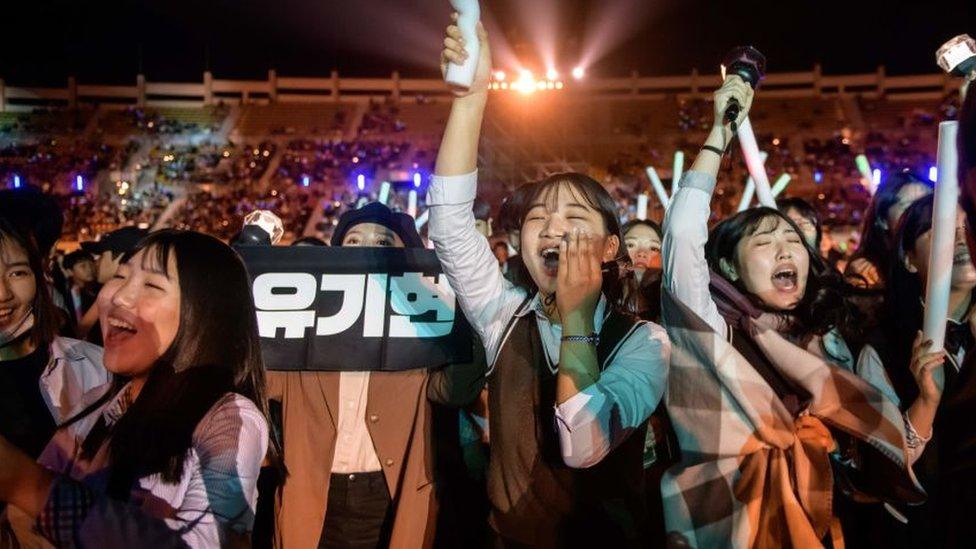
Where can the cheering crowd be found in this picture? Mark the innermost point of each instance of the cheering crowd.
(699, 383)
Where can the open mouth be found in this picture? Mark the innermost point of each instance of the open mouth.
(118, 330)
(550, 261)
(785, 279)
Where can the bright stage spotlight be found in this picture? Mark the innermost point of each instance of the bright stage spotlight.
(552, 74)
(500, 76)
(579, 73)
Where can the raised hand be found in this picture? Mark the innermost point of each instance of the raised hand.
(922, 365)
(578, 282)
(734, 87)
(455, 52)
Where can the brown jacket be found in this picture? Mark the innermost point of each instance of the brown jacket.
(398, 419)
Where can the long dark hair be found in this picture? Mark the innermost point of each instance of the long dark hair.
(216, 351)
(595, 196)
(875, 245)
(646, 302)
(825, 303)
(47, 317)
(903, 310)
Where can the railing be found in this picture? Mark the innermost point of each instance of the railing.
(292, 89)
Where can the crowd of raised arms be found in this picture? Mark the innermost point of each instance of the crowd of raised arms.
(719, 379)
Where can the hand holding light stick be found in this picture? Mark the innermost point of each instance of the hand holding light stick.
(469, 12)
(658, 187)
(750, 190)
(748, 64)
(943, 241)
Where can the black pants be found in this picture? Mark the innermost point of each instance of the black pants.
(359, 514)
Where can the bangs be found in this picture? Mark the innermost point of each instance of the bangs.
(547, 194)
(156, 256)
(767, 222)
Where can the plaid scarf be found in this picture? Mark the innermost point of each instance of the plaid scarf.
(751, 474)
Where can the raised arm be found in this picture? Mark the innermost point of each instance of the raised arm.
(485, 296)
(685, 269)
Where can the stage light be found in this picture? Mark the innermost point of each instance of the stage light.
(540, 85)
(579, 73)
(559, 85)
(551, 74)
(361, 182)
(16, 181)
(933, 173)
(504, 85)
(305, 181)
(416, 180)
(79, 183)
(500, 76)
(550, 85)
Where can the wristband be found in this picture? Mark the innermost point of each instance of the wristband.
(715, 150)
(592, 339)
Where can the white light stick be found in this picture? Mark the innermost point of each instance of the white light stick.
(750, 150)
(412, 204)
(469, 12)
(422, 220)
(863, 166)
(677, 169)
(642, 206)
(944, 207)
(384, 192)
(750, 189)
(658, 187)
(780, 185)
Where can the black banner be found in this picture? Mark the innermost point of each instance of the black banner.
(354, 309)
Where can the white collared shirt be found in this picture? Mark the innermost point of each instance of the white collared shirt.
(354, 451)
(598, 418)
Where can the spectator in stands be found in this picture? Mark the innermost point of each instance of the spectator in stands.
(110, 250)
(309, 241)
(870, 265)
(510, 216)
(361, 478)
(805, 217)
(643, 241)
(500, 249)
(81, 278)
(168, 455)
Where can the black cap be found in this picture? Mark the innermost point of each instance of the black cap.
(74, 257)
(400, 223)
(119, 241)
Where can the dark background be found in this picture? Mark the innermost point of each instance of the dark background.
(108, 41)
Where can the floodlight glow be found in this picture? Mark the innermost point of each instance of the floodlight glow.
(16, 181)
(361, 182)
(305, 181)
(79, 183)
(933, 173)
(579, 73)
(416, 180)
(500, 76)
(552, 74)
(817, 176)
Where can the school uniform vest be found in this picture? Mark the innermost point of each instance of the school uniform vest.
(536, 500)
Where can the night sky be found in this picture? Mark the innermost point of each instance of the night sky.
(107, 41)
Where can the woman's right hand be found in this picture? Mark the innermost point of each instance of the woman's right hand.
(922, 366)
(733, 88)
(455, 52)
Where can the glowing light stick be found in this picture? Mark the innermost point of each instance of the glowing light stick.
(863, 166)
(268, 222)
(943, 240)
(422, 220)
(780, 185)
(750, 189)
(412, 204)
(750, 151)
(658, 187)
(384, 192)
(469, 12)
(677, 169)
(642, 206)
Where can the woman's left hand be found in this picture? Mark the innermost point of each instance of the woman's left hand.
(578, 282)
